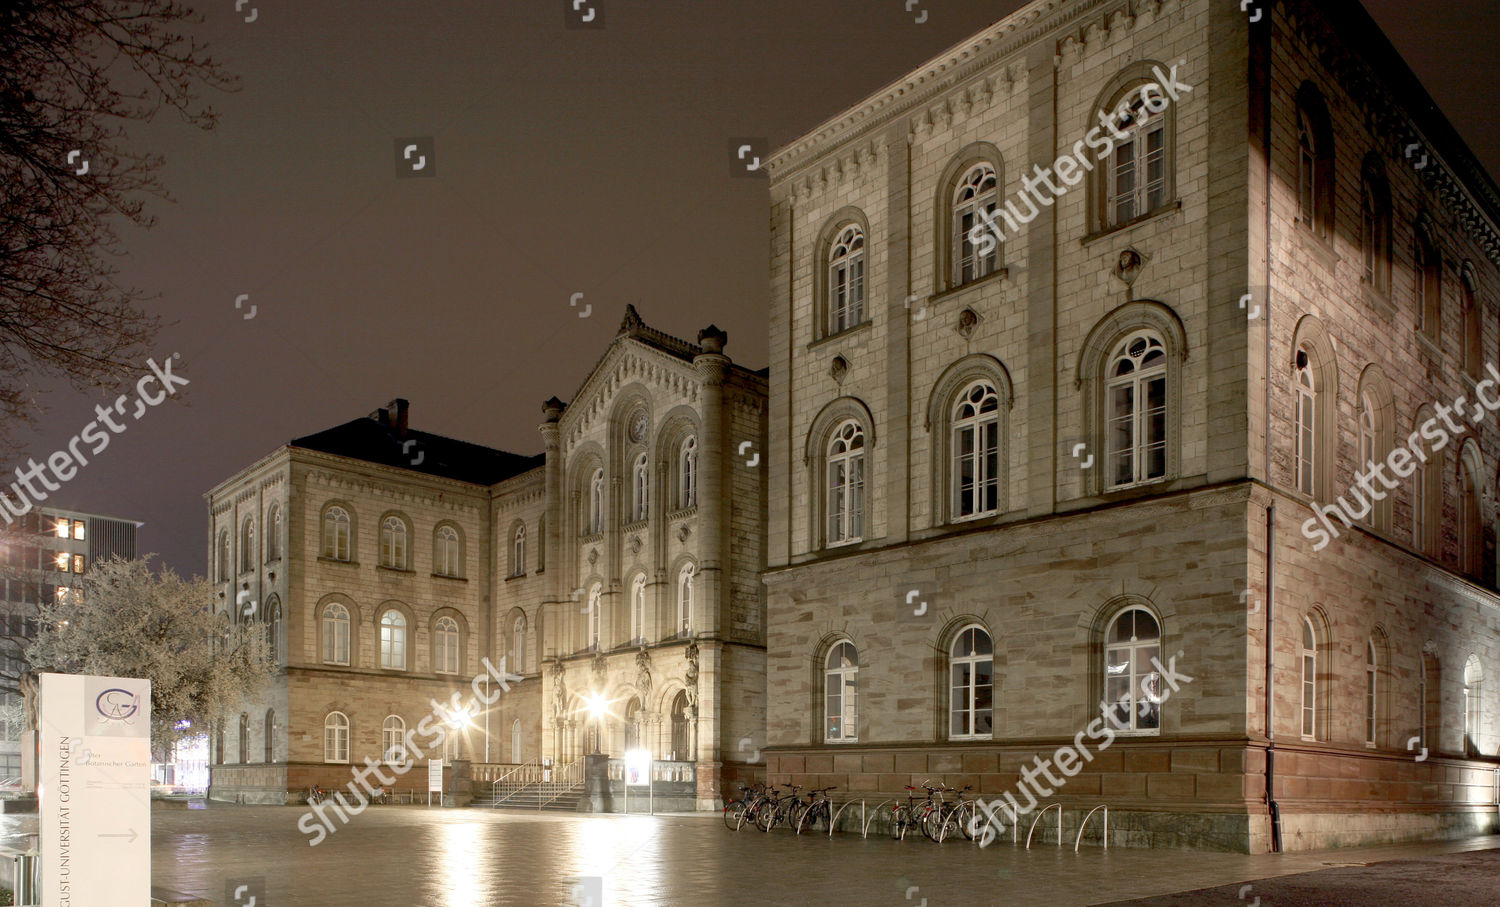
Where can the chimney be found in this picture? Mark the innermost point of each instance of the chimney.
(393, 416)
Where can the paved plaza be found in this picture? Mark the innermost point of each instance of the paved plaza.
(404, 856)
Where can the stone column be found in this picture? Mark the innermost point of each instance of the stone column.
(713, 510)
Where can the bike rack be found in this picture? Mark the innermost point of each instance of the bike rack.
(1039, 818)
(1085, 823)
(833, 822)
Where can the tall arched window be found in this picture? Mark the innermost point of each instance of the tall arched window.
(276, 648)
(1371, 677)
(244, 738)
(1315, 175)
(685, 600)
(224, 572)
(1470, 531)
(270, 735)
(393, 543)
(971, 691)
(1305, 465)
(392, 733)
(393, 641)
(1428, 276)
(638, 609)
(1132, 679)
(446, 551)
(1473, 336)
(596, 615)
(1309, 709)
(846, 279)
(336, 737)
(1136, 401)
(1367, 435)
(596, 501)
(687, 473)
(445, 646)
(273, 533)
(518, 551)
(515, 742)
(1473, 704)
(976, 451)
(841, 694)
(1306, 170)
(640, 488)
(682, 729)
(976, 195)
(247, 545)
(1136, 179)
(336, 534)
(335, 634)
(1375, 225)
(846, 484)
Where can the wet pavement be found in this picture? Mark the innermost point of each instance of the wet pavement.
(404, 856)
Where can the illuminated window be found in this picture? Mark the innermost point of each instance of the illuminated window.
(62, 528)
(336, 634)
(392, 734)
(64, 562)
(1132, 682)
(78, 530)
(77, 563)
(1309, 680)
(641, 488)
(685, 600)
(445, 646)
(596, 501)
(841, 694)
(596, 616)
(638, 608)
(393, 641)
(971, 666)
(336, 737)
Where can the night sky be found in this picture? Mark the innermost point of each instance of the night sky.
(567, 161)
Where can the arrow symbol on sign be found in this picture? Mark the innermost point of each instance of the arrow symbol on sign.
(132, 835)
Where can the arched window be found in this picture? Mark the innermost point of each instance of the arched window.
(1473, 702)
(336, 737)
(1470, 532)
(392, 735)
(1135, 179)
(518, 551)
(687, 473)
(1305, 465)
(1473, 337)
(445, 646)
(1371, 677)
(1367, 435)
(971, 692)
(393, 543)
(1375, 224)
(247, 545)
(685, 600)
(1132, 676)
(336, 534)
(453, 745)
(224, 571)
(1136, 401)
(1428, 276)
(1425, 685)
(244, 738)
(976, 195)
(393, 641)
(273, 533)
(640, 488)
(445, 554)
(841, 694)
(976, 451)
(1309, 680)
(638, 609)
(596, 501)
(846, 484)
(1427, 493)
(518, 645)
(633, 724)
(515, 742)
(276, 649)
(270, 735)
(846, 279)
(335, 634)
(1315, 176)
(596, 616)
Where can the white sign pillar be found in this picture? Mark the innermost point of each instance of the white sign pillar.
(94, 790)
(435, 780)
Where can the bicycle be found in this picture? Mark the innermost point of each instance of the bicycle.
(961, 816)
(777, 811)
(735, 810)
(904, 816)
(818, 807)
(315, 795)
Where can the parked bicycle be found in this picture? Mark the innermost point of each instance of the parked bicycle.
(315, 795)
(912, 813)
(778, 809)
(818, 809)
(959, 817)
(735, 811)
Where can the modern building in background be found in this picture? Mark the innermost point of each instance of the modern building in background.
(617, 573)
(1046, 491)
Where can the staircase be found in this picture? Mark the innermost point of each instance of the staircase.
(524, 788)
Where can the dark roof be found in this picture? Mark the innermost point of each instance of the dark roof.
(369, 440)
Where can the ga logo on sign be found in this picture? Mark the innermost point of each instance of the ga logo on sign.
(116, 704)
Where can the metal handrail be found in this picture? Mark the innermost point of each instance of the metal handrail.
(503, 779)
(1085, 823)
(1039, 818)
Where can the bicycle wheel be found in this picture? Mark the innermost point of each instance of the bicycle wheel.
(765, 818)
(949, 826)
(899, 817)
(930, 821)
(733, 814)
(748, 815)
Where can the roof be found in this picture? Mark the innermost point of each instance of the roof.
(372, 442)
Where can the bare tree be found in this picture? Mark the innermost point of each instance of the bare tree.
(73, 75)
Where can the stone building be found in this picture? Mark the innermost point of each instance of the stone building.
(619, 569)
(1053, 484)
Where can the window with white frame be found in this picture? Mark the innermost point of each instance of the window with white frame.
(976, 452)
(971, 685)
(596, 615)
(846, 279)
(1371, 678)
(846, 483)
(596, 501)
(445, 645)
(335, 634)
(1136, 174)
(687, 473)
(393, 641)
(640, 488)
(976, 195)
(336, 737)
(1306, 427)
(518, 551)
(445, 551)
(685, 600)
(392, 740)
(638, 608)
(1136, 395)
(336, 534)
(841, 694)
(393, 543)
(1309, 680)
(1132, 677)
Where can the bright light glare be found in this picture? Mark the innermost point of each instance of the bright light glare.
(596, 705)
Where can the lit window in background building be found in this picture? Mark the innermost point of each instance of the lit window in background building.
(78, 530)
(62, 561)
(77, 563)
(62, 528)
